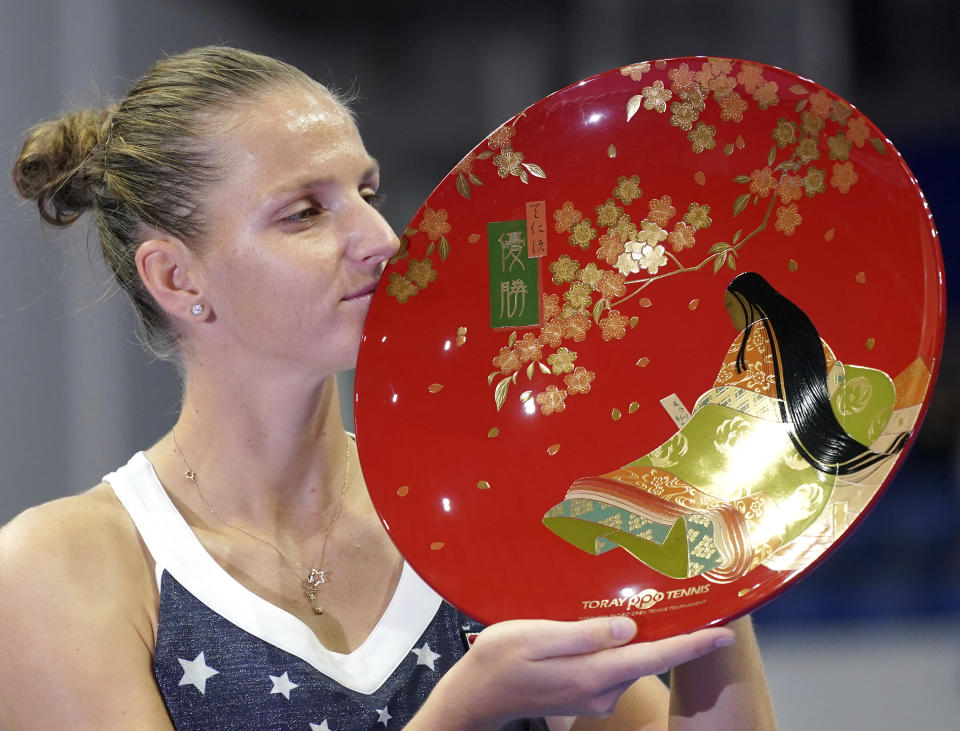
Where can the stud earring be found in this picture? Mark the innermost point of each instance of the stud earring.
(197, 310)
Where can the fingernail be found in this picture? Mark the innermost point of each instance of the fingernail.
(723, 642)
(622, 628)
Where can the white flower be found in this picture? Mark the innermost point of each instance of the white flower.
(651, 258)
(626, 264)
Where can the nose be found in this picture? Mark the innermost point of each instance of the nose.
(373, 241)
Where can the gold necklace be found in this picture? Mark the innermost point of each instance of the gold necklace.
(314, 576)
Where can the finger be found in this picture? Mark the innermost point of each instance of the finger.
(659, 656)
(559, 639)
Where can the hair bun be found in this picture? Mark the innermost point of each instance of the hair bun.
(53, 168)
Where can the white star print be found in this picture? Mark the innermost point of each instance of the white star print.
(383, 715)
(282, 685)
(322, 727)
(196, 672)
(425, 656)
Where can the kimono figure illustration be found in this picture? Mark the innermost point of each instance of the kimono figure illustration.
(785, 431)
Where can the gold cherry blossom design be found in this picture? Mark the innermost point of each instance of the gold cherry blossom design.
(807, 150)
(501, 138)
(611, 285)
(821, 104)
(626, 264)
(636, 70)
(582, 234)
(681, 78)
(564, 269)
(590, 275)
(624, 228)
(401, 288)
(785, 133)
(551, 401)
(701, 137)
(421, 272)
(608, 212)
(551, 334)
(839, 146)
(682, 237)
(810, 123)
(627, 189)
(732, 107)
(528, 348)
(841, 112)
(683, 115)
(565, 216)
(788, 218)
(434, 223)
(465, 164)
(790, 188)
(551, 305)
(762, 182)
(698, 215)
(766, 95)
(507, 361)
(661, 210)
(652, 258)
(843, 176)
(655, 97)
(857, 131)
(722, 86)
(575, 326)
(579, 296)
(613, 325)
(562, 361)
(508, 162)
(579, 381)
(651, 233)
(611, 247)
(750, 77)
(814, 181)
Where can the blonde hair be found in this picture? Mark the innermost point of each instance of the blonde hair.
(145, 161)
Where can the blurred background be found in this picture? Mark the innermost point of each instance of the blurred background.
(871, 639)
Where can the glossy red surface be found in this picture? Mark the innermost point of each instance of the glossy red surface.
(826, 211)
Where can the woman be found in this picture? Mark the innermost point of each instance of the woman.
(757, 462)
(235, 575)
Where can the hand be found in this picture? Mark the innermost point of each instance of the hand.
(536, 668)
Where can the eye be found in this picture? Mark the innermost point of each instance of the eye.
(304, 214)
(372, 197)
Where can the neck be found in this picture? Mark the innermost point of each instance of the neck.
(273, 460)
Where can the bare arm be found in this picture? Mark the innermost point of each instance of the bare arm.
(725, 690)
(76, 636)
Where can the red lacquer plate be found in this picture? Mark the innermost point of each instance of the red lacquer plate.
(651, 348)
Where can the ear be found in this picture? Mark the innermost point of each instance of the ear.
(169, 271)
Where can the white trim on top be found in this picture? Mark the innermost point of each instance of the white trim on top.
(176, 549)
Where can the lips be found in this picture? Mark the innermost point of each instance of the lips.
(362, 292)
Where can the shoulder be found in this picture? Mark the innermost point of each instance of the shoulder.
(83, 545)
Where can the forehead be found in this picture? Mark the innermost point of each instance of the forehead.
(291, 130)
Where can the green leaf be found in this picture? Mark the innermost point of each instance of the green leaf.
(741, 203)
(534, 169)
(800, 105)
(475, 180)
(633, 105)
(718, 262)
(524, 177)
(787, 165)
(719, 246)
(732, 263)
(797, 89)
(411, 231)
(444, 248)
(463, 187)
(544, 369)
(485, 155)
(742, 179)
(514, 377)
(736, 236)
(530, 371)
(772, 155)
(500, 392)
(429, 249)
(492, 376)
(512, 339)
(878, 145)
(598, 308)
